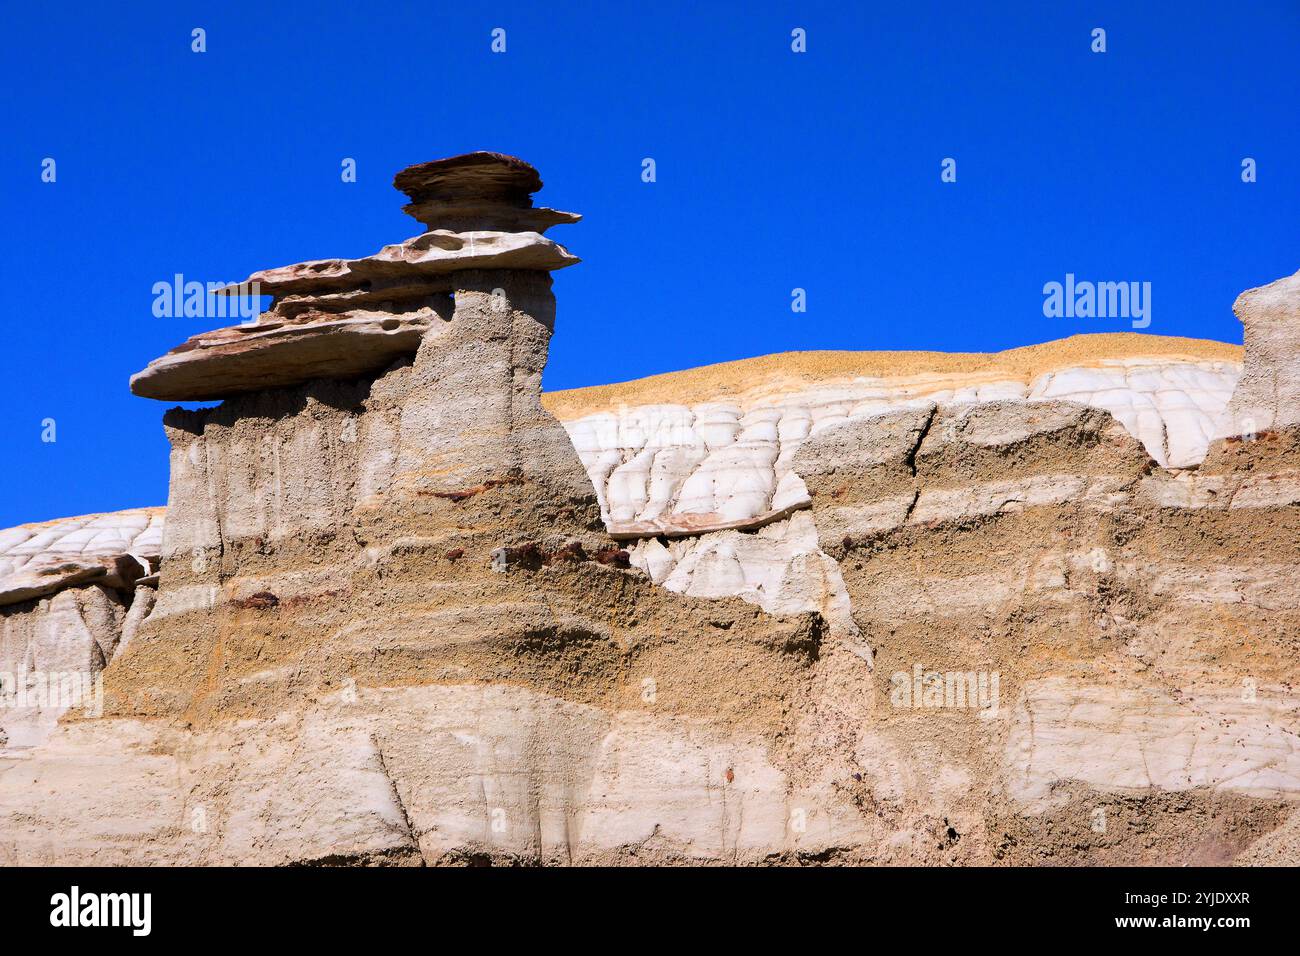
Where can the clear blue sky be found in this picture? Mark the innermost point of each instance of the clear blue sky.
(775, 171)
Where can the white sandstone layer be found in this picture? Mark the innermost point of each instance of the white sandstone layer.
(68, 600)
(1135, 740)
(432, 773)
(42, 558)
(669, 469)
(781, 568)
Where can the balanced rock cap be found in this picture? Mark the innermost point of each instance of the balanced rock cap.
(481, 190)
(479, 175)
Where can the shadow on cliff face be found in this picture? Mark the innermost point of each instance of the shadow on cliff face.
(348, 396)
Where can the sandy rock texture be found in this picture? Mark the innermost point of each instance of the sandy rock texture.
(1134, 630)
(823, 608)
(675, 469)
(1268, 396)
(71, 593)
(707, 475)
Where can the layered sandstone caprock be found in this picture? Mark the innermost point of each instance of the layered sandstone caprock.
(478, 191)
(344, 318)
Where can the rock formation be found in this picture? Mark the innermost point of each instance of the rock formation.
(372, 585)
(723, 461)
(342, 318)
(1268, 396)
(72, 593)
(678, 469)
(827, 607)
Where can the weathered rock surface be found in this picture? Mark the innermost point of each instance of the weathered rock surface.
(676, 469)
(438, 774)
(69, 592)
(781, 568)
(343, 318)
(112, 550)
(1076, 637)
(1268, 396)
(1137, 740)
(248, 358)
(478, 191)
(967, 618)
(433, 254)
(425, 534)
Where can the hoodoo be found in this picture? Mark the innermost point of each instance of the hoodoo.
(386, 595)
(340, 318)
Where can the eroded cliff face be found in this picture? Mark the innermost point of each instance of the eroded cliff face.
(1144, 643)
(949, 610)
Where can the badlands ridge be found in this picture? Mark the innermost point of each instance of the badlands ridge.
(1039, 606)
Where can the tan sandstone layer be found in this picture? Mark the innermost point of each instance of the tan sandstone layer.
(794, 371)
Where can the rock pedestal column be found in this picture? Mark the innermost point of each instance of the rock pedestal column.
(438, 342)
(474, 412)
(383, 414)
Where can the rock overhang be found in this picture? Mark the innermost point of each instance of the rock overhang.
(341, 318)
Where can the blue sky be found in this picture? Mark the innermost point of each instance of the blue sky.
(775, 170)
